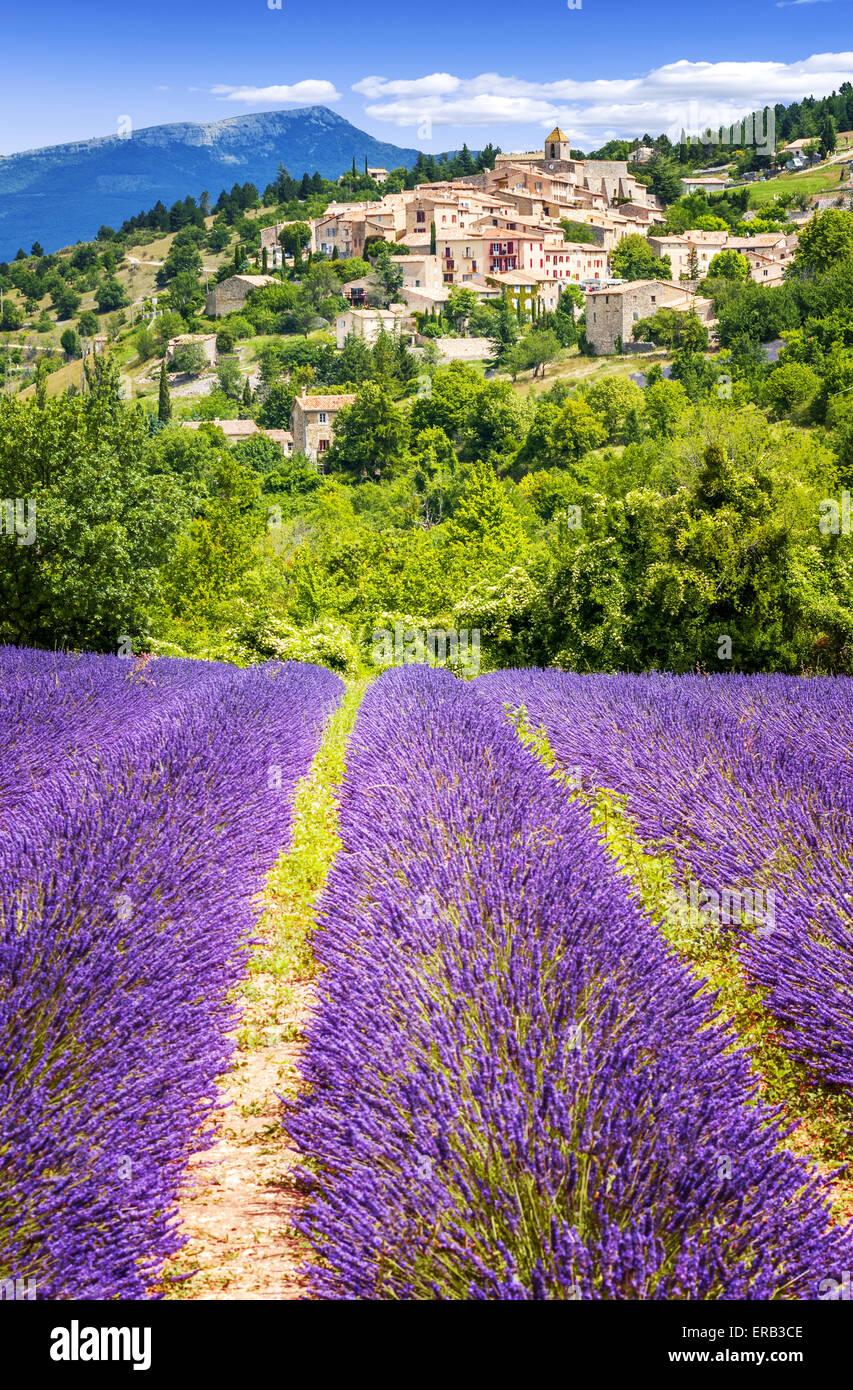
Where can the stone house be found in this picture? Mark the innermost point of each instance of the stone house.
(612, 312)
(206, 341)
(231, 294)
(312, 422)
(369, 323)
(236, 431)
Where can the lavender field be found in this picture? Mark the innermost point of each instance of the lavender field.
(511, 1085)
(514, 1089)
(143, 804)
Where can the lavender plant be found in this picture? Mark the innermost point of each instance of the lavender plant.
(143, 804)
(513, 1089)
(747, 783)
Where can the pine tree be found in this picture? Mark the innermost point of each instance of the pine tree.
(164, 404)
(41, 383)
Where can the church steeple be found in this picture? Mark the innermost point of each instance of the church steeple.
(557, 145)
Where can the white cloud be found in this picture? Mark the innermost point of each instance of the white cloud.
(308, 92)
(684, 94)
(437, 84)
(787, 4)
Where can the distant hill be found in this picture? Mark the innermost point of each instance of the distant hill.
(64, 193)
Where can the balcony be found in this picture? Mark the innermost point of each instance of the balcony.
(448, 263)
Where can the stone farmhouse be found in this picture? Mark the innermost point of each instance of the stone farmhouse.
(206, 341)
(237, 430)
(367, 324)
(231, 294)
(312, 423)
(611, 313)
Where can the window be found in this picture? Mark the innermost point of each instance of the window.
(321, 418)
(323, 446)
(635, 315)
(654, 299)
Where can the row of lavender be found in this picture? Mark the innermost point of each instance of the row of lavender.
(513, 1091)
(747, 782)
(142, 805)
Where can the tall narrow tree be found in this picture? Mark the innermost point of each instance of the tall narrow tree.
(164, 403)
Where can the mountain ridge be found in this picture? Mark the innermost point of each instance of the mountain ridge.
(59, 194)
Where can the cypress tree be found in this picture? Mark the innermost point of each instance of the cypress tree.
(247, 394)
(432, 241)
(164, 404)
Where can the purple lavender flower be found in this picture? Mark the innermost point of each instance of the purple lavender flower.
(515, 1092)
(139, 817)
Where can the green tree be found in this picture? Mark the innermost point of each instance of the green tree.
(66, 301)
(371, 435)
(321, 283)
(70, 343)
(186, 295)
(11, 318)
(828, 135)
(105, 523)
(189, 358)
(485, 529)
(825, 241)
(230, 377)
(579, 232)
(355, 363)
(728, 265)
(539, 347)
(217, 549)
(576, 430)
(109, 295)
(612, 398)
(461, 304)
(274, 411)
(790, 391)
(164, 403)
(293, 239)
(386, 279)
(665, 179)
(633, 259)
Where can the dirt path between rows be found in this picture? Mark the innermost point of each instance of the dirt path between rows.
(241, 1198)
(240, 1215)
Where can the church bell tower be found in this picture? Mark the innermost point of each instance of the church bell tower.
(557, 145)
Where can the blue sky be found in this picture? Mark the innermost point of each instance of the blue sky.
(424, 75)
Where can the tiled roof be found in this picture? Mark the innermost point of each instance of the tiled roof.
(322, 402)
